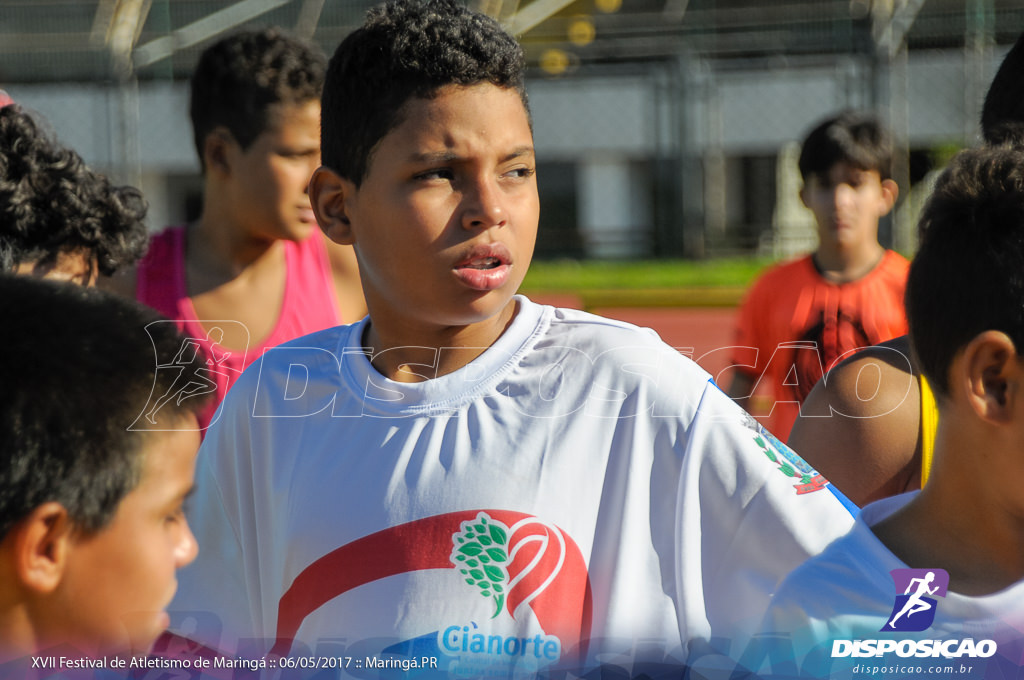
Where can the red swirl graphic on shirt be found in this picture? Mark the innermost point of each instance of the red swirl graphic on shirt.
(536, 558)
(546, 572)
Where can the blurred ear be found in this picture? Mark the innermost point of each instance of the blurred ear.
(216, 147)
(41, 543)
(890, 192)
(992, 372)
(330, 196)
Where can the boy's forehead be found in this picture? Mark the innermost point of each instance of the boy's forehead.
(844, 168)
(414, 107)
(281, 114)
(436, 93)
(170, 454)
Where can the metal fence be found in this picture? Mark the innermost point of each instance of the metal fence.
(664, 128)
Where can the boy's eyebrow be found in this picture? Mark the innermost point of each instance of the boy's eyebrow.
(450, 156)
(519, 152)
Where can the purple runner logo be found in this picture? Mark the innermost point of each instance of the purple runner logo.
(914, 610)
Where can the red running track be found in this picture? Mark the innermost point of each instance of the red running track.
(703, 333)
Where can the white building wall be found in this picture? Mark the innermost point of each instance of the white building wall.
(602, 123)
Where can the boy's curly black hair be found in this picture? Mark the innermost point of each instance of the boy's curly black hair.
(240, 78)
(51, 203)
(407, 48)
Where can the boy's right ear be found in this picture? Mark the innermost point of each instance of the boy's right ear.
(329, 195)
(40, 542)
(215, 150)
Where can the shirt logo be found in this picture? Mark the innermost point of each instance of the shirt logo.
(517, 560)
(789, 463)
(914, 610)
(512, 565)
(479, 553)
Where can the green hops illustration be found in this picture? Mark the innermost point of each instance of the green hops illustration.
(480, 554)
(767, 450)
(784, 467)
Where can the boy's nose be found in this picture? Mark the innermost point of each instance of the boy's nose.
(843, 194)
(187, 549)
(483, 206)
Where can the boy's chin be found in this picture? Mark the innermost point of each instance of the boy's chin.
(494, 306)
(143, 630)
(136, 635)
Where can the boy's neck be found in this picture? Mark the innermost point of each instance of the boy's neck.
(412, 352)
(842, 265)
(16, 639)
(219, 251)
(960, 524)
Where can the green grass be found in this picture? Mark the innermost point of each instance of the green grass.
(582, 276)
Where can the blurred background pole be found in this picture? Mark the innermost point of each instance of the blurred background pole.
(978, 42)
(891, 21)
(126, 19)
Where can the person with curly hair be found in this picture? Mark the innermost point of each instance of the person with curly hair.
(963, 528)
(58, 217)
(254, 270)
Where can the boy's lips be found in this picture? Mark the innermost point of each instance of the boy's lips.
(485, 267)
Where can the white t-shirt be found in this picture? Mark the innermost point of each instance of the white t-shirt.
(848, 592)
(579, 488)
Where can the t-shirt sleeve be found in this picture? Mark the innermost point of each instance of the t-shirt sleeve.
(795, 635)
(787, 634)
(215, 603)
(753, 511)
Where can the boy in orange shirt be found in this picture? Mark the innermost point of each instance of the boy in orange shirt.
(801, 317)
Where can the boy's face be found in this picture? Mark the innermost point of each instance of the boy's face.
(77, 267)
(268, 183)
(847, 203)
(118, 581)
(445, 221)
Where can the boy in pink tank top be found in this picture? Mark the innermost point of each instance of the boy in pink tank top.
(254, 270)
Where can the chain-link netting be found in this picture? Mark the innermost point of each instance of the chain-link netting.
(663, 128)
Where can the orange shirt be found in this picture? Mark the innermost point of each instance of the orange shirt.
(794, 325)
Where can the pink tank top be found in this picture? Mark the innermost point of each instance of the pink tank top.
(310, 304)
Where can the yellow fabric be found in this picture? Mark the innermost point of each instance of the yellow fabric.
(929, 425)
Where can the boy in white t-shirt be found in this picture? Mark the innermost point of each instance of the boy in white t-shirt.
(943, 563)
(467, 482)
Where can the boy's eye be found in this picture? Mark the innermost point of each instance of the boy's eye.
(436, 174)
(522, 173)
(296, 154)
